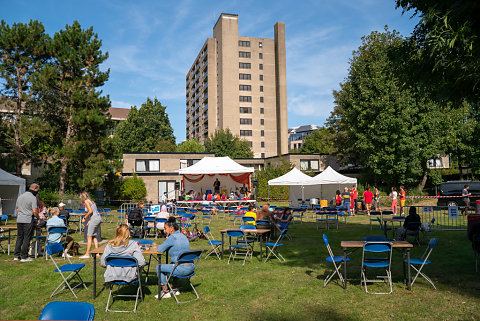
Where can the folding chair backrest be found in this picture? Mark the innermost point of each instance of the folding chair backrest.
(189, 256)
(377, 247)
(235, 233)
(206, 229)
(161, 220)
(248, 219)
(329, 249)
(57, 310)
(57, 229)
(432, 243)
(121, 261)
(54, 248)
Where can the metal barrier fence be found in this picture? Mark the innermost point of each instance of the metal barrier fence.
(123, 210)
(447, 218)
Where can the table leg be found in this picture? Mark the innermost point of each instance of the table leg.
(345, 267)
(261, 251)
(8, 250)
(222, 246)
(94, 275)
(385, 229)
(159, 265)
(409, 280)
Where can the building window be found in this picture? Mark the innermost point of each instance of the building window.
(245, 121)
(250, 144)
(260, 44)
(147, 165)
(260, 55)
(245, 110)
(261, 88)
(245, 133)
(435, 163)
(262, 111)
(242, 43)
(262, 122)
(262, 144)
(245, 76)
(245, 87)
(245, 65)
(188, 162)
(307, 164)
(261, 77)
(244, 54)
(262, 155)
(261, 99)
(260, 66)
(246, 99)
(262, 133)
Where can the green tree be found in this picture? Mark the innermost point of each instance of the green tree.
(133, 188)
(224, 143)
(384, 123)
(144, 128)
(319, 141)
(66, 91)
(270, 172)
(22, 53)
(190, 146)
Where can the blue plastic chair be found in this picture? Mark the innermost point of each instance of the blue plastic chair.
(376, 214)
(422, 262)
(187, 257)
(247, 220)
(58, 310)
(207, 215)
(124, 262)
(336, 261)
(212, 242)
(272, 247)
(377, 262)
(149, 221)
(4, 218)
(382, 227)
(55, 230)
(238, 247)
(73, 269)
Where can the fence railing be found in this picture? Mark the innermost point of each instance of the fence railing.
(447, 218)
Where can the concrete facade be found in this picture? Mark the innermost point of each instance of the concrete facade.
(239, 83)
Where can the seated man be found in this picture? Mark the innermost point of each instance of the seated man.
(63, 212)
(251, 213)
(56, 221)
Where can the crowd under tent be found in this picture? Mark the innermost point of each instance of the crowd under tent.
(11, 187)
(201, 176)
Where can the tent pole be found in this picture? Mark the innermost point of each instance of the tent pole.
(268, 193)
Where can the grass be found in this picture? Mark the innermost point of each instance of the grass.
(272, 291)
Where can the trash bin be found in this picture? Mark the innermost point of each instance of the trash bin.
(472, 224)
(477, 207)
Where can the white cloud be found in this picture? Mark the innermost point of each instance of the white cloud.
(121, 104)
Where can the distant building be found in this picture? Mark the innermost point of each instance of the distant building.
(240, 83)
(296, 135)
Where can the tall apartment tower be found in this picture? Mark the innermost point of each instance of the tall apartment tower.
(240, 83)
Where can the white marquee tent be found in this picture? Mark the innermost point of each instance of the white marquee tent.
(201, 176)
(11, 187)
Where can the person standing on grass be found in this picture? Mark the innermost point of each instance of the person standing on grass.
(368, 196)
(402, 200)
(354, 198)
(26, 209)
(466, 199)
(393, 196)
(376, 198)
(346, 200)
(56, 221)
(93, 225)
(338, 198)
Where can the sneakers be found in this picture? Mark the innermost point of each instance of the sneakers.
(28, 259)
(84, 257)
(66, 255)
(16, 258)
(163, 295)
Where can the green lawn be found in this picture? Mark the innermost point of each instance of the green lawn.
(272, 291)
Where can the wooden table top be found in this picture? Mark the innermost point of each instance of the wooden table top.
(258, 231)
(151, 250)
(8, 227)
(400, 244)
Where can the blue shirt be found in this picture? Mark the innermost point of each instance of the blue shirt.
(54, 221)
(176, 244)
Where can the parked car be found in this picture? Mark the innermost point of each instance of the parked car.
(455, 188)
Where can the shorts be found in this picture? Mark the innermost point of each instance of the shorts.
(94, 227)
(402, 203)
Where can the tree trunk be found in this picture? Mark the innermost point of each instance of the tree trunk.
(64, 159)
(459, 157)
(17, 148)
(422, 183)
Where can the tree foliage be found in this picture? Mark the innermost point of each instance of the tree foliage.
(133, 188)
(190, 146)
(384, 123)
(270, 172)
(319, 141)
(224, 143)
(145, 129)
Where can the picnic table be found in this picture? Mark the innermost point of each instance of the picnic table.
(9, 228)
(404, 245)
(247, 231)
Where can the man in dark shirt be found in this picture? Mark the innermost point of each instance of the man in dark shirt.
(63, 212)
(412, 217)
(466, 198)
(216, 186)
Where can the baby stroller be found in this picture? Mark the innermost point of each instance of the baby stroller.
(136, 223)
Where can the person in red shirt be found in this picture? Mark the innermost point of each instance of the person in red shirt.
(368, 197)
(353, 199)
(402, 200)
(209, 197)
(223, 197)
(338, 198)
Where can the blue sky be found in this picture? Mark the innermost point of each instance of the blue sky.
(152, 44)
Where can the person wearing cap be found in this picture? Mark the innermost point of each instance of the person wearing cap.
(64, 212)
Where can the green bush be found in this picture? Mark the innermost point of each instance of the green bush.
(133, 188)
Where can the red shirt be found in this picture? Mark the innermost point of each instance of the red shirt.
(209, 197)
(223, 197)
(354, 194)
(402, 195)
(368, 196)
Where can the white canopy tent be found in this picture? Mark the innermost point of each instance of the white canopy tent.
(11, 187)
(296, 180)
(201, 176)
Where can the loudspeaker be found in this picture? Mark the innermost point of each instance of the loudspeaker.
(177, 186)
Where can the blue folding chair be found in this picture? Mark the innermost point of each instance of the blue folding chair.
(382, 227)
(4, 219)
(298, 214)
(248, 220)
(377, 260)
(336, 261)
(149, 225)
(236, 247)
(187, 257)
(422, 262)
(272, 247)
(212, 242)
(124, 262)
(159, 220)
(73, 269)
(58, 310)
(376, 214)
(207, 216)
(55, 230)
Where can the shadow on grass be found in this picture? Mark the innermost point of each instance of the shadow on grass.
(305, 313)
